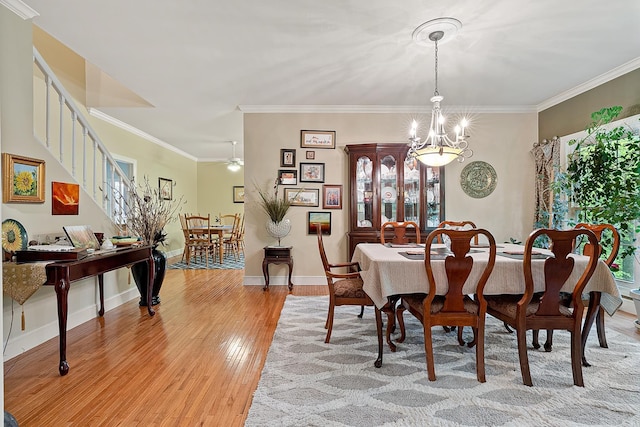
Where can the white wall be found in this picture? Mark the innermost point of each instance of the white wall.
(503, 140)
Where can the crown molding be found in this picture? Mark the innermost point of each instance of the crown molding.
(131, 129)
(623, 69)
(402, 109)
(19, 8)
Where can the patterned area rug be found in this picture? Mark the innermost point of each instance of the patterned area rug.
(229, 263)
(306, 382)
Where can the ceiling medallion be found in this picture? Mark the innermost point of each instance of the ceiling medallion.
(478, 179)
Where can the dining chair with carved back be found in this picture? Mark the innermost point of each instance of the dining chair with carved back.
(344, 288)
(400, 236)
(200, 243)
(457, 225)
(545, 309)
(454, 307)
(606, 231)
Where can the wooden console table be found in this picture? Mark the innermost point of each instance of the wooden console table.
(276, 255)
(60, 274)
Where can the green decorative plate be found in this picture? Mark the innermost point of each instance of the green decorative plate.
(14, 236)
(478, 179)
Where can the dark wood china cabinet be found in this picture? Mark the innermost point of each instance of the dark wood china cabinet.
(384, 187)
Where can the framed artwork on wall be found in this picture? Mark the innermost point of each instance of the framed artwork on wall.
(22, 179)
(302, 196)
(288, 176)
(332, 197)
(311, 172)
(238, 194)
(319, 219)
(287, 158)
(65, 198)
(311, 155)
(165, 187)
(318, 139)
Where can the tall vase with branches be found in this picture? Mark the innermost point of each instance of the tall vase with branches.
(147, 213)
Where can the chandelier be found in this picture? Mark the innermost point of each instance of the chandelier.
(438, 149)
(235, 163)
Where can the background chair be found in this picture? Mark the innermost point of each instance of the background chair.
(457, 225)
(400, 232)
(232, 241)
(344, 288)
(199, 242)
(587, 249)
(545, 310)
(454, 307)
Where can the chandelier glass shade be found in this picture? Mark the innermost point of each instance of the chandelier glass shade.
(438, 148)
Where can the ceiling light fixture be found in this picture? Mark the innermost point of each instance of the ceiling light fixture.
(438, 149)
(235, 163)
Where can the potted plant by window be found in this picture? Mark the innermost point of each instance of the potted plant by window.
(276, 208)
(603, 181)
(147, 213)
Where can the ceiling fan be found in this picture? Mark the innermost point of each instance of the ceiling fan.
(235, 163)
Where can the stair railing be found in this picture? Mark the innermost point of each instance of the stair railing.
(62, 127)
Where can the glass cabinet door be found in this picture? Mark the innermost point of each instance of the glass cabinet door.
(412, 191)
(432, 197)
(364, 186)
(388, 189)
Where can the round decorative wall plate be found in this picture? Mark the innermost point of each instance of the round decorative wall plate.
(14, 236)
(478, 179)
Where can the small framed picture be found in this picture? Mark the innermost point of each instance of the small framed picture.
(65, 198)
(311, 172)
(309, 197)
(311, 155)
(287, 158)
(288, 176)
(332, 197)
(165, 186)
(319, 219)
(22, 179)
(238, 194)
(318, 139)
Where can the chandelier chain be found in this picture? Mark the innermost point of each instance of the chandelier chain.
(435, 92)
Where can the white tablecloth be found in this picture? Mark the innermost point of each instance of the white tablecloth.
(386, 272)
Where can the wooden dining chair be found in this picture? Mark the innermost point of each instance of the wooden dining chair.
(200, 243)
(457, 225)
(400, 236)
(446, 304)
(599, 230)
(544, 309)
(232, 241)
(344, 288)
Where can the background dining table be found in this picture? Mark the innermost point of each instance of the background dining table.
(388, 271)
(219, 230)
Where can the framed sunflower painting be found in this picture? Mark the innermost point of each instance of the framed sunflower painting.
(22, 179)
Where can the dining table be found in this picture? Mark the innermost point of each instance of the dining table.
(389, 271)
(218, 230)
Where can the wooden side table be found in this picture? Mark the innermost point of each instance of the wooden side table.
(276, 255)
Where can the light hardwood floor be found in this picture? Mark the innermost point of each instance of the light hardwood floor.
(197, 362)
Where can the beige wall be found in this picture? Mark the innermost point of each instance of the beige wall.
(215, 189)
(503, 140)
(573, 115)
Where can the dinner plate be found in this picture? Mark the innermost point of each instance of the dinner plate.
(14, 236)
(389, 194)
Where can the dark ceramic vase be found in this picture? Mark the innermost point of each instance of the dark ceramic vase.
(140, 275)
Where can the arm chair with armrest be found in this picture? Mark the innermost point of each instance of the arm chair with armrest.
(454, 307)
(587, 249)
(344, 288)
(545, 309)
(400, 236)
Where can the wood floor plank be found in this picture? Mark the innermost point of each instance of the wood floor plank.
(197, 362)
